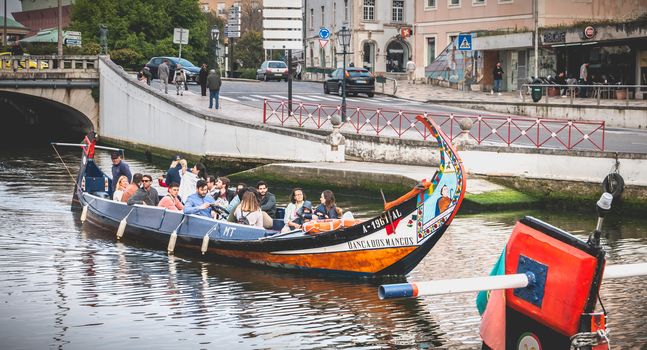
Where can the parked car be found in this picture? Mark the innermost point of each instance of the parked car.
(190, 69)
(21, 65)
(272, 70)
(358, 80)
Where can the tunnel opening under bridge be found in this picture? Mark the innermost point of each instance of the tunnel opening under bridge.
(32, 120)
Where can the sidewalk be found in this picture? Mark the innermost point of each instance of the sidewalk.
(438, 94)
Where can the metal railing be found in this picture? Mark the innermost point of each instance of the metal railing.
(598, 91)
(383, 80)
(481, 128)
(27, 63)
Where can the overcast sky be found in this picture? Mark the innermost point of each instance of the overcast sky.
(12, 6)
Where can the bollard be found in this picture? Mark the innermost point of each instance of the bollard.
(84, 213)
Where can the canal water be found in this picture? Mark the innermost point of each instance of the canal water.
(69, 285)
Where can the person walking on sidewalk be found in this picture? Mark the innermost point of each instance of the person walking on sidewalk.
(202, 78)
(584, 78)
(411, 69)
(179, 80)
(214, 83)
(497, 74)
(162, 74)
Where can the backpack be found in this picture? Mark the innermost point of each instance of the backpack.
(179, 76)
(243, 219)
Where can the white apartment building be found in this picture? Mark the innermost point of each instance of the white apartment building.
(376, 27)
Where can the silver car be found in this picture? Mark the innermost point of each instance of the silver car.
(272, 70)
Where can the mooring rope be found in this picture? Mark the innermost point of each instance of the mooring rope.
(65, 165)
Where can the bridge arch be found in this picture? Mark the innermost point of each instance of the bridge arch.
(48, 113)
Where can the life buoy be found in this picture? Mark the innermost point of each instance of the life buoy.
(614, 184)
(318, 226)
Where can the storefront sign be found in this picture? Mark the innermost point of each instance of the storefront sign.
(554, 37)
(589, 32)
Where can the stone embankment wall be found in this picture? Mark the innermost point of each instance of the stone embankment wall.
(136, 114)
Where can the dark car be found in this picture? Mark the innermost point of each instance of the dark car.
(271, 70)
(358, 80)
(190, 69)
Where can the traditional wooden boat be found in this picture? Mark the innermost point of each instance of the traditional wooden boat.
(392, 243)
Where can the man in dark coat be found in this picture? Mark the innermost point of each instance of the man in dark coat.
(202, 78)
(119, 168)
(268, 200)
(214, 83)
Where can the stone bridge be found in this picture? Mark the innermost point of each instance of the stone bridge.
(52, 90)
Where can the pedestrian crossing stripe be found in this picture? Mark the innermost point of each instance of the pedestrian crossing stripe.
(228, 99)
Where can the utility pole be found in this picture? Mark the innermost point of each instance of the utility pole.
(60, 28)
(536, 17)
(4, 30)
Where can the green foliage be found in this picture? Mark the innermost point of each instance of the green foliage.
(249, 50)
(141, 29)
(127, 58)
(247, 73)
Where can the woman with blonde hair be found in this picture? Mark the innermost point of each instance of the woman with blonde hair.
(122, 183)
(249, 211)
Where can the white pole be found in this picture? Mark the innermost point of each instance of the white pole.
(181, 32)
(622, 271)
(536, 12)
(476, 284)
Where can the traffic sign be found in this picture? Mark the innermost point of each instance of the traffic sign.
(324, 33)
(180, 36)
(285, 21)
(465, 42)
(323, 43)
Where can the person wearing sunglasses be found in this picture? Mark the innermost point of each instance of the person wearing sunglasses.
(146, 194)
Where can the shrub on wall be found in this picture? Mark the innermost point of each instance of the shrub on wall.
(127, 58)
(247, 73)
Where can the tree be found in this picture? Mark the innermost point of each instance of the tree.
(143, 28)
(249, 49)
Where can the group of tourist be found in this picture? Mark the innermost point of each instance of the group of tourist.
(208, 79)
(193, 191)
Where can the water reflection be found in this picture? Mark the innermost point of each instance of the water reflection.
(71, 285)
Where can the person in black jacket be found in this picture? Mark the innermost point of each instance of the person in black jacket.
(202, 78)
(267, 199)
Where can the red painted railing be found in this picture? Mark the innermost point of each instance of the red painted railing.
(485, 129)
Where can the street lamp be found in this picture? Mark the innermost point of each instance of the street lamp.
(343, 39)
(215, 36)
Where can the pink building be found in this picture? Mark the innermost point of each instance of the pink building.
(503, 30)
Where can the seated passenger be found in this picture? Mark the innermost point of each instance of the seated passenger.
(173, 174)
(199, 203)
(249, 211)
(327, 209)
(294, 212)
(267, 199)
(146, 194)
(132, 188)
(171, 201)
(122, 185)
(241, 188)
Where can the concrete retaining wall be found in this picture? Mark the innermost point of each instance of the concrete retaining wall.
(135, 113)
(556, 165)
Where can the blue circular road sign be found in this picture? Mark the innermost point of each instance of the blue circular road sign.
(324, 33)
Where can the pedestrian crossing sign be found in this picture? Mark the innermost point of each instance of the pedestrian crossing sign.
(465, 42)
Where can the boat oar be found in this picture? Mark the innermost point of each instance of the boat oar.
(171, 241)
(205, 239)
(476, 284)
(122, 225)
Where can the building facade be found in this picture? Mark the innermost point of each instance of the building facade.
(42, 14)
(376, 29)
(503, 31)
